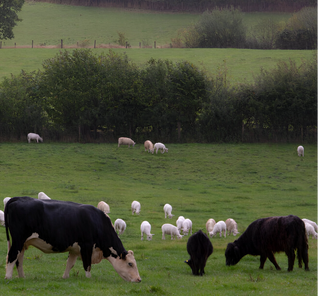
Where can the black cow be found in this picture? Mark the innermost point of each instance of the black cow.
(267, 236)
(58, 226)
(199, 248)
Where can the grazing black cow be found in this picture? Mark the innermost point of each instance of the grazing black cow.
(199, 248)
(267, 236)
(58, 226)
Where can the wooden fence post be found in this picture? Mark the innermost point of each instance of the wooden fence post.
(154, 44)
(0, 44)
(94, 43)
(61, 43)
(32, 43)
(139, 44)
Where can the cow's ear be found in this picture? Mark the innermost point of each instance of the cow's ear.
(123, 255)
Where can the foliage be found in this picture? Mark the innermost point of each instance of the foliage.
(9, 17)
(221, 28)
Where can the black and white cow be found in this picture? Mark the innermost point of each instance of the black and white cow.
(58, 226)
(199, 248)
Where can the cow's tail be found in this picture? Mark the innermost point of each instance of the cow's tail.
(302, 248)
(6, 221)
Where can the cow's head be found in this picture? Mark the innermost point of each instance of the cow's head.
(126, 267)
(232, 254)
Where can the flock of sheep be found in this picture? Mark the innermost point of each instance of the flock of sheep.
(149, 146)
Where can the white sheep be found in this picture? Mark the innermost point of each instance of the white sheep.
(5, 200)
(2, 218)
(300, 151)
(103, 206)
(167, 210)
(149, 146)
(145, 228)
(310, 231)
(120, 226)
(171, 230)
(42, 195)
(126, 141)
(218, 227)
(187, 226)
(312, 223)
(135, 207)
(179, 222)
(35, 137)
(160, 146)
(231, 226)
(209, 225)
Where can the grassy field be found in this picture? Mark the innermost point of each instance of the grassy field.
(46, 24)
(200, 181)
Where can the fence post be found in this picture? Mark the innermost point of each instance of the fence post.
(139, 44)
(94, 43)
(0, 44)
(15, 44)
(32, 43)
(154, 44)
(61, 43)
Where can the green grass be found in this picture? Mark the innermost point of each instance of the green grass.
(200, 181)
(46, 23)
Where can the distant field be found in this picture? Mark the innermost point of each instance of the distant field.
(241, 64)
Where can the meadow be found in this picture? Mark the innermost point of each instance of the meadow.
(46, 24)
(201, 181)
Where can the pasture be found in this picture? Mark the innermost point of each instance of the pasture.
(46, 24)
(201, 181)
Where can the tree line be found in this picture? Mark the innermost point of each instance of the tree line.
(194, 5)
(79, 96)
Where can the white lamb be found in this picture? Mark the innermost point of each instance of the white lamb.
(126, 141)
(312, 223)
(2, 218)
(171, 230)
(311, 231)
(160, 146)
(300, 151)
(135, 207)
(145, 228)
(149, 146)
(120, 226)
(35, 137)
(42, 195)
(231, 227)
(218, 227)
(5, 200)
(187, 226)
(168, 209)
(103, 206)
(179, 222)
(209, 225)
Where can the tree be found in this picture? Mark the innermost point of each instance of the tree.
(9, 17)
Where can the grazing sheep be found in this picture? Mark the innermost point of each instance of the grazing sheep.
(135, 207)
(179, 222)
(300, 151)
(2, 218)
(187, 226)
(42, 195)
(310, 230)
(120, 226)
(312, 223)
(218, 227)
(126, 141)
(149, 146)
(145, 228)
(231, 227)
(209, 225)
(170, 229)
(103, 206)
(35, 137)
(160, 146)
(5, 200)
(168, 209)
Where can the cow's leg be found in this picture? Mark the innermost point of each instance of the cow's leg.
(69, 264)
(302, 254)
(262, 259)
(271, 257)
(86, 253)
(291, 259)
(19, 263)
(12, 257)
